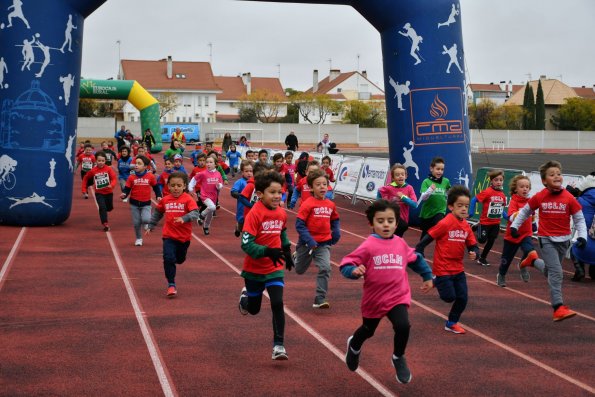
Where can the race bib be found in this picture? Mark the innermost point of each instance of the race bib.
(254, 197)
(101, 181)
(495, 210)
(87, 166)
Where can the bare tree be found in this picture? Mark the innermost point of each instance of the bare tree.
(168, 101)
(265, 105)
(315, 108)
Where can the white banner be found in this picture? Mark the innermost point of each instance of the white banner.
(372, 177)
(348, 174)
(537, 185)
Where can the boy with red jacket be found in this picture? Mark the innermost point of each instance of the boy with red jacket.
(104, 179)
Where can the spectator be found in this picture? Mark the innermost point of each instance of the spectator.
(227, 142)
(243, 142)
(149, 139)
(291, 142)
(179, 136)
(120, 135)
(324, 146)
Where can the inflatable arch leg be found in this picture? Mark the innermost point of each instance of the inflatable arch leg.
(133, 92)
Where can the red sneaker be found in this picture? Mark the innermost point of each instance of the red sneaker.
(171, 291)
(562, 313)
(455, 329)
(528, 261)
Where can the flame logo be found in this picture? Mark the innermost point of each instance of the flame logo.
(438, 109)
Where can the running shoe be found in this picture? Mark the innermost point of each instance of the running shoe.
(500, 280)
(351, 357)
(528, 261)
(279, 353)
(403, 372)
(321, 305)
(106, 227)
(483, 262)
(455, 329)
(138, 242)
(563, 312)
(171, 291)
(243, 301)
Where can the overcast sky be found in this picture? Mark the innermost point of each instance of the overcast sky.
(503, 39)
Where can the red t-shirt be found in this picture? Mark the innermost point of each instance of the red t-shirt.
(452, 236)
(266, 226)
(163, 182)
(305, 190)
(104, 179)
(318, 215)
(493, 203)
(554, 212)
(86, 161)
(249, 193)
(329, 172)
(525, 230)
(141, 186)
(174, 207)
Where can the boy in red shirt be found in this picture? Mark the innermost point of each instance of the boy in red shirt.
(556, 205)
(86, 160)
(493, 202)
(265, 242)
(249, 196)
(318, 227)
(168, 169)
(180, 210)
(326, 166)
(453, 236)
(104, 179)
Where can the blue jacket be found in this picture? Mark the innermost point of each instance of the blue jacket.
(587, 201)
(236, 192)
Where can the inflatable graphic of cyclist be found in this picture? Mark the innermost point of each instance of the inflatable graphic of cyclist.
(7, 167)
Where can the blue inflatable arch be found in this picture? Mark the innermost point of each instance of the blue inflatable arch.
(40, 66)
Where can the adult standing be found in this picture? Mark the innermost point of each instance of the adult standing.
(226, 142)
(179, 136)
(120, 135)
(324, 146)
(148, 139)
(291, 142)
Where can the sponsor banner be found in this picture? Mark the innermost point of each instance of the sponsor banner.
(336, 161)
(372, 177)
(482, 182)
(348, 174)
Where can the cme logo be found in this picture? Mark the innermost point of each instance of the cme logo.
(370, 186)
(343, 173)
(437, 116)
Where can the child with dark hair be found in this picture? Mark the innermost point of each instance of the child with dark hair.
(290, 167)
(263, 156)
(281, 168)
(453, 236)
(246, 168)
(104, 179)
(163, 177)
(210, 183)
(267, 247)
(325, 164)
(138, 186)
(86, 160)
(383, 260)
(249, 197)
(234, 159)
(180, 210)
(401, 193)
(110, 155)
(493, 202)
(556, 206)
(520, 186)
(317, 224)
(433, 196)
(125, 166)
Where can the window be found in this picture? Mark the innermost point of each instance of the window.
(178, 119)
(183, 119)
(339, 90)
(206, 101)
(190, 119)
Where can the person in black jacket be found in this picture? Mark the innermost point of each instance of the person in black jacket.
(291, 142)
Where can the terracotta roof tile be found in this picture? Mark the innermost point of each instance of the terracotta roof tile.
(485, 87)
(152, 75)
(554, 92)
(233, 87)
(585, 92)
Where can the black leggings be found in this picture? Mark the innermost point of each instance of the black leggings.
(399, 317)
(105, 202)
(402, 227)
(275, 289)
(487, 234)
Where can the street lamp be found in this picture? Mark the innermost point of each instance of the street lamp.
(119, 59)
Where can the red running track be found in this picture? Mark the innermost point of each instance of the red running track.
(83, 312)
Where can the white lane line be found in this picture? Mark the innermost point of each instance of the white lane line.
(9, 259)
(162, 373)
(321, 339)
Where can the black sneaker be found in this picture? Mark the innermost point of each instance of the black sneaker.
(403, 373)
(206, 231)
(237, 232)
(500, 280)
(200, 220)
(351, 357)
(483, 262)
(243, 301)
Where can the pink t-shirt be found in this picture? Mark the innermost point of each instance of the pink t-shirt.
(208, 182)
(393, 193)
(385, 283)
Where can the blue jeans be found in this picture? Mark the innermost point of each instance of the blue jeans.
(174, 253)
(453, 288)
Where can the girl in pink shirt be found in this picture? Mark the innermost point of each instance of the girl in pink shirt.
(210, 182)
(383, 259)
(402, 193)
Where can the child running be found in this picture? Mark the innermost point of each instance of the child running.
(234, 159)
(125, 166)
(138, 186)
(556, 206)
(493, 202)
(210, 183)
(86, 160)
(402, 193)
(180, 210)
(236, 191)
(453, 235)
(317, 224)
(162, 179)
(520, 186)
(104, 180)
(382, 260)
(267, 246)
(433, 196)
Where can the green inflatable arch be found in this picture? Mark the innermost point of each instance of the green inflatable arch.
(134, 93)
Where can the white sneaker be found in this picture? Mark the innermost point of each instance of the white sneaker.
(125, 200)
(279, 353)
(138, 242)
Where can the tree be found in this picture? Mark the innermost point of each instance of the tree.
(293, 113)
(264, 104)
(168, 101)
(488, 115)
(367, 115)
(480, 114)
(315, 108)
(577, 114)
(539, 108)
(87, 107)
(247, 115)
(529, 108)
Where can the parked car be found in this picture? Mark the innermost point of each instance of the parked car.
(191, 132)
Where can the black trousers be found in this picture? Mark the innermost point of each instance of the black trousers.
(105, 202)
(487, 234)
(399, 318)
(275, 289)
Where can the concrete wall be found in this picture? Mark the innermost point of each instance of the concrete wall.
(520, 139)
